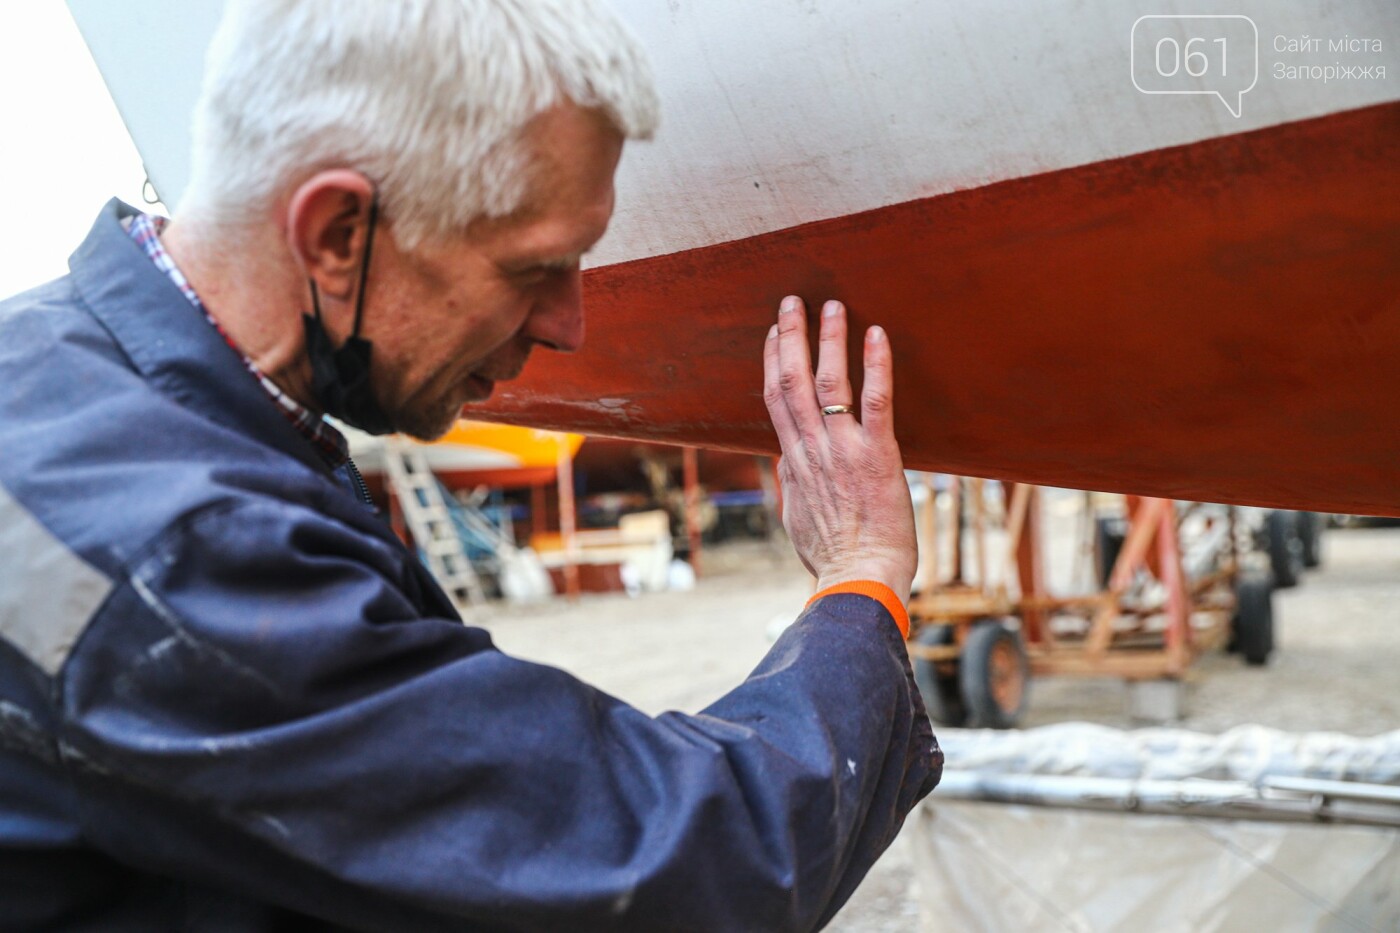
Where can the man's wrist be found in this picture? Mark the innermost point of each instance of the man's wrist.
(898, 584)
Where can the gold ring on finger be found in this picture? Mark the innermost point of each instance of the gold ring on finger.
(838, 410)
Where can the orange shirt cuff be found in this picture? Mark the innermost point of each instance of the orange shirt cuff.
(876, 591)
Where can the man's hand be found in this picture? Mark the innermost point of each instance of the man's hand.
(846, 505)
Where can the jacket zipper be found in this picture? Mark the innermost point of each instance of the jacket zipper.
(359, 480)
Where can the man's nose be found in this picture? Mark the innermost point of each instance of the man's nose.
(557, 318)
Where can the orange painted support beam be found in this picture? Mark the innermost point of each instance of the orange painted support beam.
(1029, 561)
(1178, 634)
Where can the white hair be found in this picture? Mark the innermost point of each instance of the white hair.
(428, 98)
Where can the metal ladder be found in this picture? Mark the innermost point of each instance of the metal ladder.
(430, 522)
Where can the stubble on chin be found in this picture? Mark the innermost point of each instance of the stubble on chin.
(428, 422)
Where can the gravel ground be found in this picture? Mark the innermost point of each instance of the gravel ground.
(1338, 638)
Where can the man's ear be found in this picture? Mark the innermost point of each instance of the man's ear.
(327, 222)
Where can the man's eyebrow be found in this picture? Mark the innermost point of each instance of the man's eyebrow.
(567, 261)
(564, 262)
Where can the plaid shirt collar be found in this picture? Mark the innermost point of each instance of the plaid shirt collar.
(329, 443)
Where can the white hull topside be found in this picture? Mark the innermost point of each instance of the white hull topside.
(785, 112)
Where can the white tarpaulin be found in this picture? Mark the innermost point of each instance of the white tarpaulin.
(1161, 830)
(1245, 753)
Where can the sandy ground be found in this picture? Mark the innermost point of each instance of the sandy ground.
(1338, 639)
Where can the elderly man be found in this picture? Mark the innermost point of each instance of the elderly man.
(229, 698)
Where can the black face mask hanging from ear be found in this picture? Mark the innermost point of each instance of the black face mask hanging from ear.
(340, 378)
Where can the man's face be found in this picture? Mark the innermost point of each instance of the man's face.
(459, 316)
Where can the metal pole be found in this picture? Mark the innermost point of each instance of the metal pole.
(568, 519)
(955, 488)
(977, 489)
(928, 559)
(539, 519)
(690, 460)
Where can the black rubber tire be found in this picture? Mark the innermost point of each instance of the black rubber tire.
(941, 693)
(1285, 548)
(1252, 628)
(1109, 534)
(988, 640)
(1310, 533)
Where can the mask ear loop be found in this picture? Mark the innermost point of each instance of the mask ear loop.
(315, 300)
(364, 262)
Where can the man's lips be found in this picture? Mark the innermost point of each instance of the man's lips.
(481, 387)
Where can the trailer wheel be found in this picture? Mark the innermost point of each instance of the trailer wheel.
(1285, 547)
(1252, 629)
(941, 693)
(1310, 534)
(994, 675)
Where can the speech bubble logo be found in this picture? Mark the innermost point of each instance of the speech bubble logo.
(1187, 54)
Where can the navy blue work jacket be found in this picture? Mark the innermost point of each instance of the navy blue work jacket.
(230, 699)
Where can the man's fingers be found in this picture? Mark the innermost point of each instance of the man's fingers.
(773, 393)
(832, 384)
(795, 367)
(877, 395)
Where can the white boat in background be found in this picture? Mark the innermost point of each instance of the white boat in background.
(477, 453)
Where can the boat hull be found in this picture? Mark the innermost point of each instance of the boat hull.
(1215, 321)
